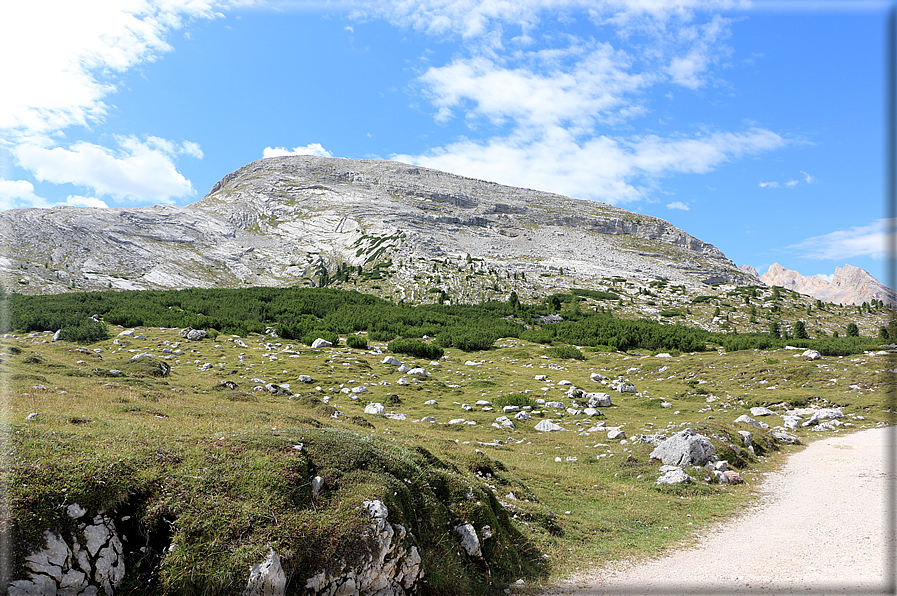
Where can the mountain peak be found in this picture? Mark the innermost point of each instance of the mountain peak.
(849, 285)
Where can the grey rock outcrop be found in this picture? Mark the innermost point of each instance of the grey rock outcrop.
(279, 221)
(389, 568)
(266, 578)
(685, 448)
(75, 569)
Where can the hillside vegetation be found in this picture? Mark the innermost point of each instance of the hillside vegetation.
(208, 453)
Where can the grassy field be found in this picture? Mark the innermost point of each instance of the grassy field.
(215, 469)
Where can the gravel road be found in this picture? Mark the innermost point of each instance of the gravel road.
(821, 528)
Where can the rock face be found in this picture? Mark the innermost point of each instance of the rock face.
(850, 285)
(388, 569)
(97, 566)
(288, 220)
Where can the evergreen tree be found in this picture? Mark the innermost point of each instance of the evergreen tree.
(800, 330)
(853, 330)
(774, 329)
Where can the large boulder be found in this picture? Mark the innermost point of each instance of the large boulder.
(598, 400)
(321, 343)
(685, 448)
(267, 578)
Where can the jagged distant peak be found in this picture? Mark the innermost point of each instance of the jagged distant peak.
(849, 285)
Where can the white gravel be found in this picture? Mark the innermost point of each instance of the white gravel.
(820, 529)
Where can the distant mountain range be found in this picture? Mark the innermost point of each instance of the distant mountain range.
(303, 220)
(850, 285)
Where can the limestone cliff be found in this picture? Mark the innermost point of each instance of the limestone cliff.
(288, 220)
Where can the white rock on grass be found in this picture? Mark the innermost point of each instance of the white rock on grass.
(685, 448)
(428, 419)
(598, 400)
(510, 409)
(321, 343)
(674, 476)
(596, 377)
(375, 408)
(505, 422)
(748, 420)
(431, 402)
(469, 540)
(392, 361)
(761, 411)
(557, 405)
(616, 433)
(522, 416)
(418, 372)
(547, 426)
(403, 368)
(824, 414)
(454, 421)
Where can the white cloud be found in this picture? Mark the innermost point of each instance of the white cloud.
(807, 178)
(614, 170)
(141, 170)
(678, 205)
(769, 185)
(79, 201)
(792, 183)
(310, 149)
(61, 57)
(544, 91)
(19, 194)
(858, 241)
(825, 276)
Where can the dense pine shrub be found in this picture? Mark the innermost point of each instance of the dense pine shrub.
(416, 347)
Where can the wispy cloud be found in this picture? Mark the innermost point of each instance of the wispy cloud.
(808, 179)
(678, 205)
(310, 149)
(614, 170)
(858, 241)
(553, 119)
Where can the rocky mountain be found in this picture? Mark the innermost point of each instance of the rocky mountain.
(850, 285)
(303, 220)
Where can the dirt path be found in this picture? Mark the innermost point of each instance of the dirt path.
(822, 528)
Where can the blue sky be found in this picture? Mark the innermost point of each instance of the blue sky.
(755, 126)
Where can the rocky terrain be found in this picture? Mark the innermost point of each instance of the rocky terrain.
(299, 220)
(850, 285)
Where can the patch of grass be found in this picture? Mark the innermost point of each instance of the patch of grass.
(566, 352)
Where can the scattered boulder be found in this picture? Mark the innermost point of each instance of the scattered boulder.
(591, 412)
(812, 355)
(733, 477)
(375, 408)
(761, 411)
(321, 343)
(786, 438)
(547, 426)
(305, 379)
(557, 405)
(675, 476)
(392, 361)
(748, 420)
(470, 542)
(596, 377)
(196, 335)
(616, 433)
(522, 415)
(505, 422)
(823, 414)
(598, 400)
(417, 372)
(685, 448)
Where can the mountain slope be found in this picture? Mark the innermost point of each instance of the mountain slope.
(299, 220)
(850, 285)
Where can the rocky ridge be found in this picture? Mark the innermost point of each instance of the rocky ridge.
(298, 220)
(850, 285)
